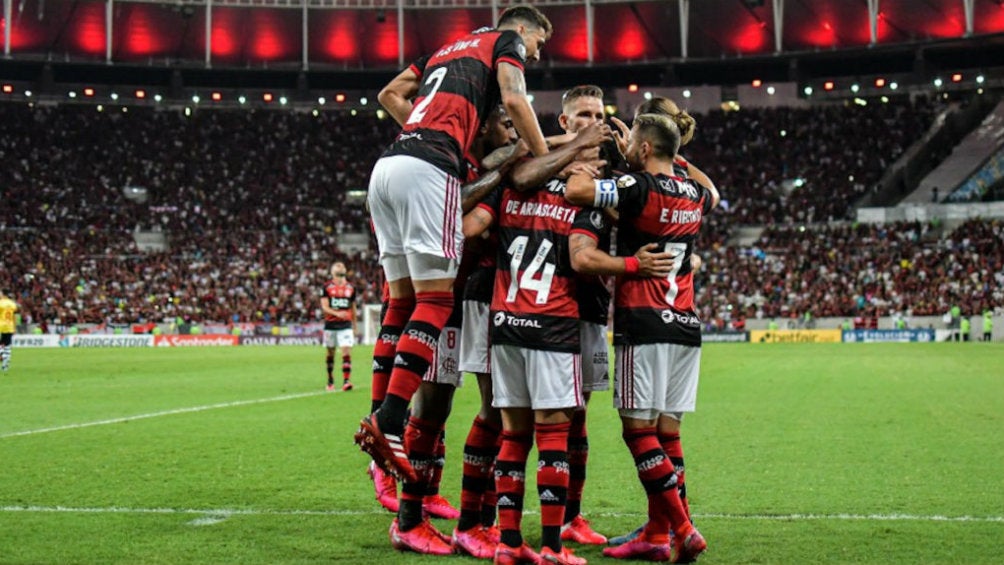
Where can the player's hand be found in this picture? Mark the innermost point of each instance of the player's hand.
(594, 135)
(652, 263)
(622, 135)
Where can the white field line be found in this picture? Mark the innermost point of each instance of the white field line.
(226, 512)
(163, 413)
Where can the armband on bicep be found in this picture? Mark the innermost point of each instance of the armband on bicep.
(606, 195)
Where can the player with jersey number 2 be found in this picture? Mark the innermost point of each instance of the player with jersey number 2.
(414, 196)
(657, 334)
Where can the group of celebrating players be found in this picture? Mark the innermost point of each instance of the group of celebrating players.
(495, 243)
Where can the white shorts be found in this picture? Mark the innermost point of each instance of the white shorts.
(530, 378)
(415, 208)
(595, 357)
(445, 368)
(656, 378)
(339, 338)
(475, 344)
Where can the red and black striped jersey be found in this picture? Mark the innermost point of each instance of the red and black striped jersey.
(592, 293)
(459, 88)
(667, 210)
(534, 303)
(481, 282)
(340, 298)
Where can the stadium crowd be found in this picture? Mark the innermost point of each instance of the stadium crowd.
(867, 270)
(254, 201)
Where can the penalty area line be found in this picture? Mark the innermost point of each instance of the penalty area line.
(163, 413)
(227, 512)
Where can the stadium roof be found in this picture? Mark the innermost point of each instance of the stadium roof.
(364, 34)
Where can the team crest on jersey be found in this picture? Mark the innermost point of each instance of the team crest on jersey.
(521, 49)
(596, 218)
(626, 181)
(499, 318)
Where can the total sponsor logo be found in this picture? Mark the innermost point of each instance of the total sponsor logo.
(668, 316)
(510, 320)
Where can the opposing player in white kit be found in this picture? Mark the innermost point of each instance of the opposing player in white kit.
(657, 333)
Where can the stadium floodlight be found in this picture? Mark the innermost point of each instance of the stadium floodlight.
(101, 108)
(770, 91)
(283, 100)
(885, 99)
(855, 87)
(27, 94)
(196, 99)
(364, 101)
(8, 89)
(893, 85)
(938, 82)
(141, 94)
(72, 94)
(957, 77)
(340, 97)
(648, 95)
(316, 113)
(88, 92)
(381, 114)
(632, 87)
(242, 99)
(113, 96)
(784, 133)
(217, 96)
(687, 93)
(157, 97)
(530, 97)
(353, 112)
(879, 82)
(980, 79)
(321, 101)
(267, 97)
(828, 85)
(807, 90)
(757, 83)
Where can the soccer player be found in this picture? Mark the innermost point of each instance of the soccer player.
(535, 354)
(687, 125)
(432, 402)
(338, 302)
(8, 310)
(415, 202)
(657, 334)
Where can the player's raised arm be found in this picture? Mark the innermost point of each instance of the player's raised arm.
(396, 96)
(534, 172)
(500, 162)
(512, 84)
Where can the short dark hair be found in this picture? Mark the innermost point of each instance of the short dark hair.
(661, 132)
(528, 15)
(581, 91)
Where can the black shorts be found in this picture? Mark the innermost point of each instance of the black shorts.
(6, 339)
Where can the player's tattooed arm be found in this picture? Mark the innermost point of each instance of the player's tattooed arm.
(477, 222)
(476, 190)
(512, 85)
(587, 258)
(396, 96)
(499, 162)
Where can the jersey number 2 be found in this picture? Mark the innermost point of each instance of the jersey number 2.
(528, 281)
(418, 113)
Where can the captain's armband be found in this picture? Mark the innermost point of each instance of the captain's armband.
(606, 195)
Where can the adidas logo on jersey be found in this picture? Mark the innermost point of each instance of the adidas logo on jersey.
(548, 496)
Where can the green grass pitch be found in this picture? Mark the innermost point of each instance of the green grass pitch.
(801, 454)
